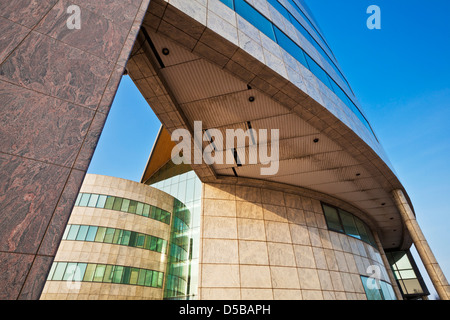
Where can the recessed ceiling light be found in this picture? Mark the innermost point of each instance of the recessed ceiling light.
(251, 99)
(165, 51)
(316, 140)
(383, 204)
(358, 174)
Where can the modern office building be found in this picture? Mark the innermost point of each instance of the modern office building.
(124, 240)
(331, 216)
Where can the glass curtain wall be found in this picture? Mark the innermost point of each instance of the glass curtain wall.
(187, 188)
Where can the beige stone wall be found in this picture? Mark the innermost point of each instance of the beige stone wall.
(259, 242)
(102, 253)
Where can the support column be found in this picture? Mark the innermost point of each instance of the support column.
(431, 265)
(58, 79)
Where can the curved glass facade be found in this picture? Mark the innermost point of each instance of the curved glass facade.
(105, 273)
(128, 238)
(121, 204)
(289, 11)
(344, 222)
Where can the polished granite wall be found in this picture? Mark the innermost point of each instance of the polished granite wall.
(56, 88)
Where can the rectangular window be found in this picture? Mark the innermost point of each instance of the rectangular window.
(362, 230)
(79, 272)
(125, 238)
(349, 224)
(89, 274)
(372, 292)
(91, 233)
(250, 14)
(77, 202)
(117, 274)
(332, 218)
(125, 205)
(82, 233)
(132, 207)
(100, 234)
(108, 276)
(99, 273)
(139, 208)
(117, 204)
(59, 271)
(93, 200)
(70, 271)
(72, 235)
(52, 270)
(148, 278)
(146, 211)
(109, 202)
(279, 8)
(291, 47)
(84, 199)
(134, 275)
(109, 234)
(117, 236)
(318, 71)
(126, 275)
(141, 278)
(101, 201)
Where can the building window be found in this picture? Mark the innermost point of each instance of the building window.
(377, 289)
(123, 205)
(342, 221)
(114, 236)
(407, 274)
(92, 272)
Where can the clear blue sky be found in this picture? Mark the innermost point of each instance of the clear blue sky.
(401, 76)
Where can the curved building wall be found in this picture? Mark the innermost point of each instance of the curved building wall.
(271, 241)
(117, 243)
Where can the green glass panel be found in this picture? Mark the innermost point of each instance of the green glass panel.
(125, 205)
(134, 275)
(140, 240)
(100, 234)
(349, 224)
(157, 214)
(153, 244)
(154, 279)
(89, 274)
(159, 245)
(117, 204)
(108, 276)
(109, 234)
(153, 212)
(141, 278)
(101, 201)
(93, 200)
(125, 237)
(160, 279)
(99, 273)
(117, 236)
(110, 202)
(148, 278)
(117, 274)
(362, 230)
(66, 232)
(140, 208)
(132, 242)
(126, 275)
(332, 218)
(132, 207)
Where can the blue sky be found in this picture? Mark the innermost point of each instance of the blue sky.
(400, 75)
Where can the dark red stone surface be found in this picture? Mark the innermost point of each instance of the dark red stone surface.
(56, 88)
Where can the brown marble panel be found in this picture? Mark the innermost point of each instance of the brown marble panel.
(90, 143)
(13, 271)
(111, 90)
(119, 12)
(12, 34)
(26, 12)
(40, 127)
(29, 192)
(51, 67)
(97, 35)
(35, 280)
(59, 219)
